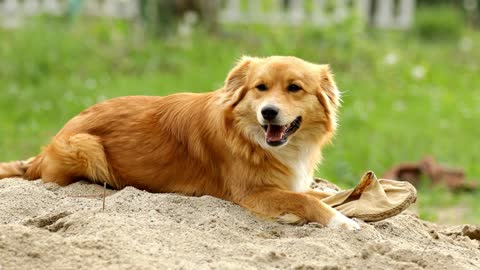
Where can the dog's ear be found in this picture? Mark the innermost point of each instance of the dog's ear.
(328, 95)
(328, 86)
(235, 88)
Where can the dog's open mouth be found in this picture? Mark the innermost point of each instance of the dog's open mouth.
(276, 135)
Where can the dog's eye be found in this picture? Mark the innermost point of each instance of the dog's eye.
(293, 88)
(261, 87)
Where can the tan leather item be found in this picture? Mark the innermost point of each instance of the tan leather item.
(373, 199)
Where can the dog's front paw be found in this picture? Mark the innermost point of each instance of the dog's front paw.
(339, 221)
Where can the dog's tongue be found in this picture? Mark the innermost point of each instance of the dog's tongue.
(274, 133)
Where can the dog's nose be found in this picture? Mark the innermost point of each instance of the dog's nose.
(269, 112)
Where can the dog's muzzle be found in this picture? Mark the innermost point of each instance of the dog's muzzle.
(276, 135)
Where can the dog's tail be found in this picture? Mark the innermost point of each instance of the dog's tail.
(27, 169)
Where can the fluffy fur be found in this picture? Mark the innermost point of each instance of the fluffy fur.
(208, 144)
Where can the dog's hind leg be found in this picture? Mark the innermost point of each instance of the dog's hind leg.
(14, 168)
(66, 160)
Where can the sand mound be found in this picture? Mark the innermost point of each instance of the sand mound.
(43, 226)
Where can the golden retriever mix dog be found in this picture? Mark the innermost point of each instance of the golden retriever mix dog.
(255, 142)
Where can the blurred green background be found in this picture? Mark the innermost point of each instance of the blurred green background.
(406, 93)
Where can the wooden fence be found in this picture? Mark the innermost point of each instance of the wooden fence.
(381, 13)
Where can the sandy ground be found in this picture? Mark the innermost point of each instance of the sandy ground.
(43, 226)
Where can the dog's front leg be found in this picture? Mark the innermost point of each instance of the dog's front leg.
(292, 207)
(319, 194)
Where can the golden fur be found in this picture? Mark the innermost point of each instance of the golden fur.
(207, 144)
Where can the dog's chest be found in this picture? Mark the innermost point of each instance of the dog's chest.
(301, 178)
(301, 163)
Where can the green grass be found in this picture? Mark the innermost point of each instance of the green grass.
(50, 71)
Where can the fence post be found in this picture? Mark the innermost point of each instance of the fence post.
(319, 17)
(52, 7)
(231, 13)
(30, 7)
(11, 14)
(363, 9)
(387, 13)
(341, 10)
(297, 12)
(384, 13)
(405, 13)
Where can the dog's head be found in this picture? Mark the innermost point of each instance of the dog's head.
(276, 99)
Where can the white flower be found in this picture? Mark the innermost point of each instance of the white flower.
(42, 106)
(443, 124)
(399, 106)
(190, 17)
(101, 98)
(90, 83)
(184, 30)
(69, 95)
(13, 89)
(418, 72)
(466, 113)
(185, 26)
(391, 59)
(465, 44)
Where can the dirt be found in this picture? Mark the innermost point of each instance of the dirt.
(44, 226)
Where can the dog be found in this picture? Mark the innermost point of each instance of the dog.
(255, 142)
